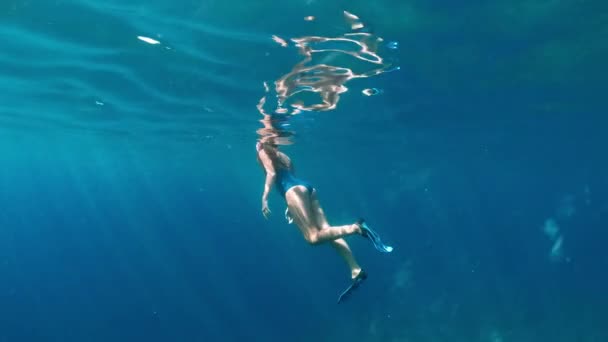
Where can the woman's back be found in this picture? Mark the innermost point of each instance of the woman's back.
(282, 161)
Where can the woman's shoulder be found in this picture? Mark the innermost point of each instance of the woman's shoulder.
(284, 158)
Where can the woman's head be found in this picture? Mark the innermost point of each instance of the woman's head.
(279, 160)
(267, 145)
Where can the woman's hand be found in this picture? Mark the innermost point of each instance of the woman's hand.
(265, 209)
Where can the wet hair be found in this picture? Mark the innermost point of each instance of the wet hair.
(267, 146)
(272, 150)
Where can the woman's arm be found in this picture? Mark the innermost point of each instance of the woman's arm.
(270, 178)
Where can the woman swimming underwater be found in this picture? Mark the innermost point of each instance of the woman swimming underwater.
(304, 209)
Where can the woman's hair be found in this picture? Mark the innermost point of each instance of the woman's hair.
(268, 146)
(272, 151)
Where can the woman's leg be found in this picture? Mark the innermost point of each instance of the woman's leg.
(343, 249)
(318, 211)
(339, 245)
(299, 202)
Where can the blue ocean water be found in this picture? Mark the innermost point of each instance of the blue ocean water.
(130, 192)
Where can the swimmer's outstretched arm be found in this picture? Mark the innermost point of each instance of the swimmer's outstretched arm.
(270, 178)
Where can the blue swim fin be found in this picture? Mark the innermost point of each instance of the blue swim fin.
(374, 237)
(356, 282)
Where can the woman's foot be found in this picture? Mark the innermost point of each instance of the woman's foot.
(357, 280)
(358, 228)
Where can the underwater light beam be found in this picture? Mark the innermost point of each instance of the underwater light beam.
(148, 40)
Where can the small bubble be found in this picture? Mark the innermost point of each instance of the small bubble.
(372, 91)
(393, 45)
